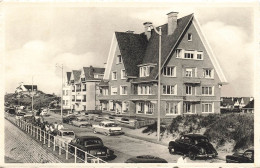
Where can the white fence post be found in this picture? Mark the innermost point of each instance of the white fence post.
(40, 134)
(59, 144)
(75, 154)
(37, 132)
(31, 130)
(67, 152)
(53, 143)
(49, 139)
(44, 137)
(86, 157)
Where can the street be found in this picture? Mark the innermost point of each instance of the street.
(126, 147)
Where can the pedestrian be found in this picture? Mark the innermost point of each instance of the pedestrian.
(182, 159)
(60, 126)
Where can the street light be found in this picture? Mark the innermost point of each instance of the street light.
(61, 99)
(159, 80)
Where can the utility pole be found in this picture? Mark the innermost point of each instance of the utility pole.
(61, 99)
(32, 94)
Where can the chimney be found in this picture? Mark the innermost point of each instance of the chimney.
(147, 29)
(91, 70)
(130, 31)
(172, 22)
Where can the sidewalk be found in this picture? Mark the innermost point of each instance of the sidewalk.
(21, 148)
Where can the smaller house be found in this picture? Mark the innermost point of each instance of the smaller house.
(26, 89)
(249, 108)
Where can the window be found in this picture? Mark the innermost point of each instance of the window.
(207, 107)
(189, 37)
(104, 91)
(112, 105)
(188, 72)
(207, 90)
(188, 90)
(188, 108)
(95, 75)
(125, 106)
(73, 97)
(145, 71)
(200, 55)
(169, 89)
(188, 55)
(169, 71)
(208, 73)
(140, 108)
(84, 87)
(172, 108)
(113, 90)
(119, 59)
(84, 98)
(149, 108)
(144, 90)
(123, 75)
(123, 90)
(114, 76)
(179, 53)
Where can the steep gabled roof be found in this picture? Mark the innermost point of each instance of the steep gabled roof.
(76, 74)
(168, 44)
(68, 76)
(132, 48)
(90, 71)
(249, 105)
(30, 86)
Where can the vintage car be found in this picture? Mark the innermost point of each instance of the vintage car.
(68, 118)
(19, 115)
(246, 157)
(81, 121)
(92, 145)
(145, 159)
(45, 112)
(107, 128)
(193, 145)
(28, 118)
(64, 136)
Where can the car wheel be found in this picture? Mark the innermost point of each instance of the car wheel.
(192, 156)
(172, 150)
(106, 134)
(94, 131)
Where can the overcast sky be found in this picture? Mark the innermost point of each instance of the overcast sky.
(38, 37)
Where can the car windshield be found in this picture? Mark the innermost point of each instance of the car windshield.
(68, 134)
(93, 142)
(202, 139)
(110, 125)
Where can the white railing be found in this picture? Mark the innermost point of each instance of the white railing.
(62, 147)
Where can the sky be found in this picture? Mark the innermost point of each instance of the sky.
(39, 37)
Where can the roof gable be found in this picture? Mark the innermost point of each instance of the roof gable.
(76, 75)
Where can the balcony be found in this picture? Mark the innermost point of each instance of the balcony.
(191, 81)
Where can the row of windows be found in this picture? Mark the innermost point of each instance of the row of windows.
(123, 75)
(83, 98)
(79, 87)
(170, 71)
(167, 90)
(171, 107)
(189, 54)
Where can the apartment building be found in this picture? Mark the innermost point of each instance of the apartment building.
(191, 77)
(83, 86)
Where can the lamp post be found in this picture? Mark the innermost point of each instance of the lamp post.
(61, 100)
(159, 32)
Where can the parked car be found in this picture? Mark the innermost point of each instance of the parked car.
(80, 122)
(64, 136)
(69, 118)
(193, 145)
(19, 115)
(28, 118)
(92, 145)
(45, 112)
(107, 128)
(246, 157)
(146, 159)
(11, 111)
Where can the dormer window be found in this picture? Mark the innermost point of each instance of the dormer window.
(189, 37)
(119, 59)
(145, 71)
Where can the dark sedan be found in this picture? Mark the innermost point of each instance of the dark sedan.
(193, 145)
(92, 145)
(145, 159)
(69, 118)
(246, 157)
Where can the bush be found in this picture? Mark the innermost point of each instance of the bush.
(153, 128)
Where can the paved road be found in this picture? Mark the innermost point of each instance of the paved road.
(126, 147)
